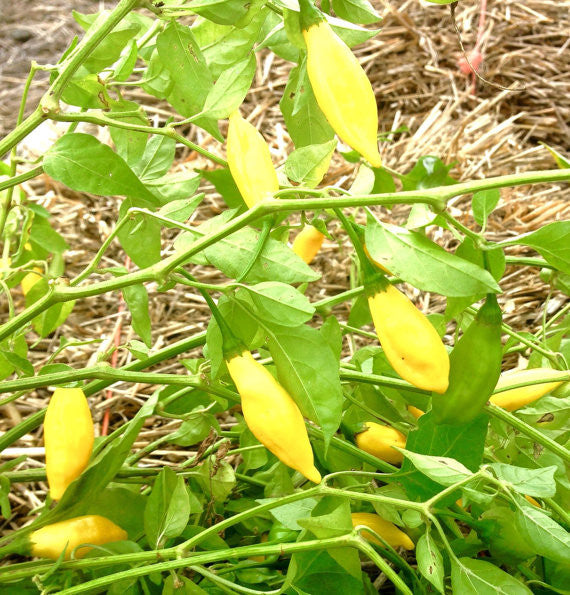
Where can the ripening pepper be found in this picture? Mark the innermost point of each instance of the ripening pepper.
(49, 541)
(417, 413)
(475, 368)
(378, 440)
(385, 529)
(514, 399)
(68, 436)
(308, 243)
(249, 161)
(409, 340)
(341, 87)
(30, 280)
(272, 415)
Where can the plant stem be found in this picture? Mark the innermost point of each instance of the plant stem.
(529, 431)
(99, 118)
(383, 565)
(27, 175)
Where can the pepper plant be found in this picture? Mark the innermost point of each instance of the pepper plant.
(476, 501)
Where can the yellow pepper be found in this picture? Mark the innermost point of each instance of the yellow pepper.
(249, 161)
(417, 413)
(30, 280)
(409, 340)
(272, 415)
(49, 541)
(68, 436)
(308, 243)
(514, 399)
(378, 440)
(342, 89)
(385, 529)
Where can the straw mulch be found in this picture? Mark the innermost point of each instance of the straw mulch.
(412, 64)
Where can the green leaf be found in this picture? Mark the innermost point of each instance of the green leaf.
(230, 89)
(428, 172)
(180, 210)
(476, 577)
(109, 49)
(543, 534)
(136, 298)
(305, 121)
(192, 81)
(15, 345)
(167, 509)
(308, 369)
(223, 12)
(423, 263)
(157, 157)
(553, 242)
(217, 479)
(443, 470)
(468, 251)
(123, 506)
(483, 203)
(531, 482)
(356, 11)
(278, 302)
(309, 164)
(174, 187)
(139, 236)
(289, 514)
(561, 161)
(430, 561)
(224, 184)
(83, 163)
(465, 444)
(130, 145)
(233, 253)
(223, 46)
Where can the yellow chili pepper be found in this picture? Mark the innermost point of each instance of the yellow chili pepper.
(68, 436)
(30, 280)
(417, 413)
(378, 440)
(249, 161)
(49, 541)
(514, 399)
(533, 501)
(341, 87)
(409, 340)
(272, 415)
(385, 529)
(308, 243)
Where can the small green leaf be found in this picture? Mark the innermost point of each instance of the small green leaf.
(483, 203)
(430, 561)
(309, 164)
(552, 241)
(136, 298)
(230, 89)
(167, 509)
(532, 482)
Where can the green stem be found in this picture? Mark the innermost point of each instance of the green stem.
(366, 378)
(528, 261)
(449, 490)
(99, 118)
(529, 431)
(21, 131)
(383, 565)
(86, 46)
(27, 175)
(105, 372)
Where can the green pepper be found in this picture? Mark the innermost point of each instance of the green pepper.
(475, 366)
